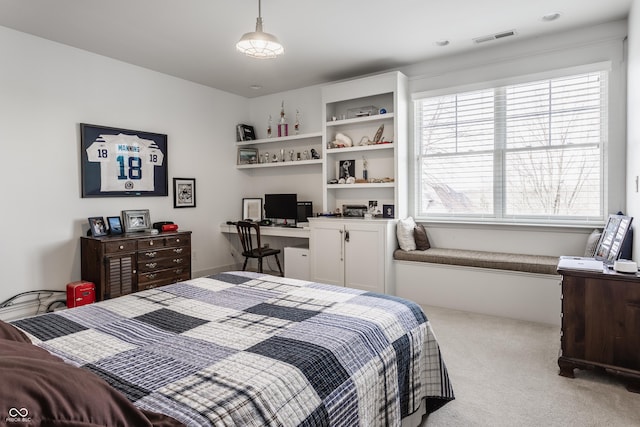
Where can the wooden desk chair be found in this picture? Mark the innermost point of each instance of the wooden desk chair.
(249, 251)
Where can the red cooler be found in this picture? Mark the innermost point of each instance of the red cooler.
(80, 293)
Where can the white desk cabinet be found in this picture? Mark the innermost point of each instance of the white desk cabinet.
(356, 253)
(296, 262)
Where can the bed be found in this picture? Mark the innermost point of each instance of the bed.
(232, 349)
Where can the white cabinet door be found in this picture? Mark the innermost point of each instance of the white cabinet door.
(326, 244)
(364, 254)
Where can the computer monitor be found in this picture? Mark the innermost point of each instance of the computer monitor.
(281, 208)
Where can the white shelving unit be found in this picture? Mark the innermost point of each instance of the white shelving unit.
(297, 143)
(387, 175)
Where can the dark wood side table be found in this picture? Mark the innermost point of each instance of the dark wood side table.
(601, 324)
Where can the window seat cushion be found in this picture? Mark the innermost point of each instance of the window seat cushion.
(540, 264)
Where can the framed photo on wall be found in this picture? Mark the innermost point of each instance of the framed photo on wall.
(122, 162)
(184, 192)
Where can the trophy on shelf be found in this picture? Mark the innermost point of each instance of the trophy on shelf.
(296, 126)
(283, 127)
(269, 127)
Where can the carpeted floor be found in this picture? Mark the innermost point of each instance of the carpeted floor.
(504, 373)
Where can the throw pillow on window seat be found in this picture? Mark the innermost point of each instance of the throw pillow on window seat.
(420, 237)
(404, 232)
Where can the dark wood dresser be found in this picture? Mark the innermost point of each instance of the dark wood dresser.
(126, 263)
(601, 324)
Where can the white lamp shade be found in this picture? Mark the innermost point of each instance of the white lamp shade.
(259, 44)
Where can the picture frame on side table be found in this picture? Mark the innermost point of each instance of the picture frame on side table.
(247, 156)
(252, 209)
(115, 225)
(136, 220)
(97, 226)
(184, 192)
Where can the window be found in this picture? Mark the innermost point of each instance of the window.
(528, 152)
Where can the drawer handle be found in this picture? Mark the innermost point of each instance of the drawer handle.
(178, 260)
(151, 254)
(151, 243)
(178, 250)
(121, 247)
(151, 276)
(151, 264)
(177, 240)
(178, 270)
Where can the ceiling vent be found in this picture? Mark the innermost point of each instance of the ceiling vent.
(496, 36)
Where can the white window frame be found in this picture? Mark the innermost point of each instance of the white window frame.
(498, 218)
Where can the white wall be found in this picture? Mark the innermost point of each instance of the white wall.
(633, 122)
(46, 90)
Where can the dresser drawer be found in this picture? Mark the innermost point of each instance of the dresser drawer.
(161, 241)
(155, 284)
(146, 265)
(120, 246)
(152, 254)
(165, 276)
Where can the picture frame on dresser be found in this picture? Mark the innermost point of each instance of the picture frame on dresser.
(97, 226)
(136, 220)
(115, 224)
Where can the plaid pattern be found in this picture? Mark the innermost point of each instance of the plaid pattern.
(248, 349)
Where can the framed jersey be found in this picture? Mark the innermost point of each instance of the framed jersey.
(122, 162)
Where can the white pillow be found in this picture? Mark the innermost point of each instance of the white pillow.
(592, 243)
(404, 231)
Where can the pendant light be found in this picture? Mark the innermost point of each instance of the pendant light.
(259, 44)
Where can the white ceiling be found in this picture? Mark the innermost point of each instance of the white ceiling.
(324, 40)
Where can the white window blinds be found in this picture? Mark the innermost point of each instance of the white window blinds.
(524, 152)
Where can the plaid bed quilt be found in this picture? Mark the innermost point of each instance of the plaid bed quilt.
(246, 349)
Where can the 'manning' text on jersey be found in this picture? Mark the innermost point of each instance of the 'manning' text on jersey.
(127, 162)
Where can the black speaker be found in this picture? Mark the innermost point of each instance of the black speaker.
(305, 210)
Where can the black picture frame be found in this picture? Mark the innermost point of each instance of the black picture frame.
(184, 192)
(115, 225)
(388, 211)
(245, 132)
(613, 238)
(346, 169)
(97, 226)
(119, 162)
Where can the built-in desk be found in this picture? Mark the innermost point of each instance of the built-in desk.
(272, 230)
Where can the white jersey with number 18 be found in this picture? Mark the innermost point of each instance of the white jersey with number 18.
(127, 162)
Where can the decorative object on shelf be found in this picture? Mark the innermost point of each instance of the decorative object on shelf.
(354, 211)
(247, 156)
(269, 127)
(378, 137)
(97, 226)
(291, 155)
(266, 157)
(136, 220)
(305, 155)
(115, 225)
(382, 111)
(369, 110)
(298, 157)
(373, 208)
(184, 192)
(245, 132)
(296, 126)
(282, 154)
(365, 173)
(122, 162)
(341, 141)
(274, 158)
(314, 154)
(283, 127)
(252, 209)
(259, 44)
(365, 141)
(388, 211)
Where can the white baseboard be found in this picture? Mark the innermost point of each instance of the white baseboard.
(512, 294)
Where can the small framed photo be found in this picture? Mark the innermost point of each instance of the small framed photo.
(97, 226)
(136, 220)
(245, 133)
(247, 156)
(252, 209)
(184, 192)
(346, 169)
(388, 211)
(115, 225)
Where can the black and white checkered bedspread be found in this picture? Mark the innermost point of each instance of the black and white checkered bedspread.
(247, 349)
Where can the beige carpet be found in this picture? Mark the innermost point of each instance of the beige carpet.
(504, 373)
